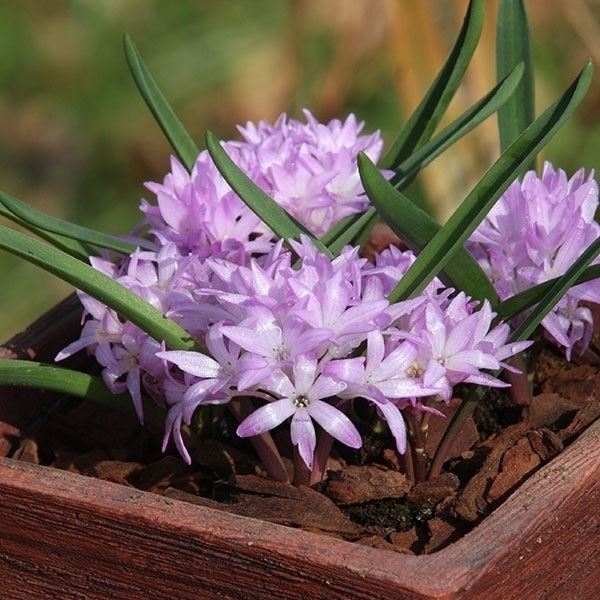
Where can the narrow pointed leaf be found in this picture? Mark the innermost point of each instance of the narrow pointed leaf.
(417, 228)
(98, 285)
(422, 123)
(271, 213)
(556, 291)
(72, 247)
(513, 47)
(350, 233)
(339, 228)
(441, 249)
(479, 112)
(178, 137)
(44, 222)
(530, 297)
(58, 379)
(346, 223)
(408, 170)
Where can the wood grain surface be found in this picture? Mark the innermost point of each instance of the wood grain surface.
(67, 536)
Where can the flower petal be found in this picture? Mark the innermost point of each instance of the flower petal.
(305, 370)
(266, 418)
(335, 422)
(348, 370)
(395, 422)
(325, 387)
(303, 435)
(193, 363)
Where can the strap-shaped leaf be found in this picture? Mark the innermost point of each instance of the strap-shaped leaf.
(513, 47)
(43, 222)
(72, 247)
(271, 213)
(471, 118)
(556, 291)
(58, 379)
(440, 250)
(98, 285)
(422, 123)
(339, 228)
(350, 233)
(417, 228)
(349, 222)
(178, 137)
(408, 170)
(530, 297)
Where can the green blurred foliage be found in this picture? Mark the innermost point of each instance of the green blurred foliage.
(78, 142)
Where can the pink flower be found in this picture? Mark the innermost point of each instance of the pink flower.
(302, 398)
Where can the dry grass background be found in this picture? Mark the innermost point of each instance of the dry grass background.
(77, 141)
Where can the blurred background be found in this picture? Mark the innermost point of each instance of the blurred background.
(78, 142)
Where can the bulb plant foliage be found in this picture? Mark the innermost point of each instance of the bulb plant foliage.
(246, 286)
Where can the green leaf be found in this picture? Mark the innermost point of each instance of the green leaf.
(98, 285)
(520, 302)
(556, 291)
(407, 171)
(422, 123)
(271, 213)
(339, 228)
(72, 247)
(417, 228)
(350, 233)
(479, 112)
(513, 47)
(58, 379)
(43, 222)
(178, 137)
(440, 250)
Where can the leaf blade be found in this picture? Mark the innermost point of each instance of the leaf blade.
(513, 46)
(44, 222)
(72, 247)
(349, 234)
(417, 228)
(481, 199)
(555, 292)
(422, 123)
(98, 285)
(409, 169)
(180, 140)
(271, 213)
(520, 302)
(57, 379)
(471, 118)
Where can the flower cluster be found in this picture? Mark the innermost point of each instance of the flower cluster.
(534, 233)
(309, 168)
(296, 344)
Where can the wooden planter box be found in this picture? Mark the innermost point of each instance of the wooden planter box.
(67, 536)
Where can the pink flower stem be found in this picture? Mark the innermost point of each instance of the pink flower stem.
(417, 429)
(407, 462)
(263, 444)
(322, 451)
(466, 408)
(301, 471)
(520, 390)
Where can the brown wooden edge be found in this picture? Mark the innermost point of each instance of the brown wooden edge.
(68, 536)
